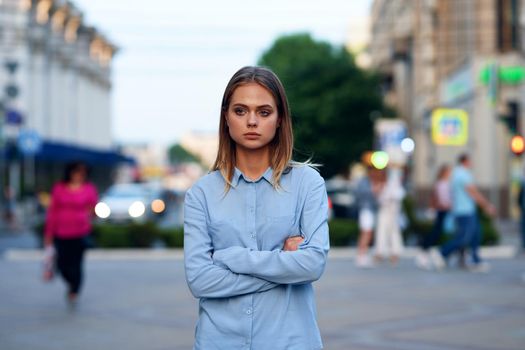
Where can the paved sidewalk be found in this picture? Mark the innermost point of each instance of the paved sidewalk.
(138, 299)
(144, 304)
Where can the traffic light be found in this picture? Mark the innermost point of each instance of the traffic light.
(517, 145)
(511, 119)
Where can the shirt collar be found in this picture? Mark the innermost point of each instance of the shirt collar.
(237, 174)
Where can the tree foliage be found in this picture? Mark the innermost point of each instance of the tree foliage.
(331, 100)
(178, 155)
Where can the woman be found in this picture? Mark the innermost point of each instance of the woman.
(441, 201)
(368, 188)
(68, 223)
(255, 230)
(388, 240)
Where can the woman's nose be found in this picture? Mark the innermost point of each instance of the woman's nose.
(252, 119)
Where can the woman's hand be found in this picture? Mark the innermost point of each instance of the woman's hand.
(48, 241)
(292, 243)
(490, 210)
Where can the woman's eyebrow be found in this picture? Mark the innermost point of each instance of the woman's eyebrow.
(265, 106)
(238, 104)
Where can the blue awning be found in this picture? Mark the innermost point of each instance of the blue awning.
(61, 152)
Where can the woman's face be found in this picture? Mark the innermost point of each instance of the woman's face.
(252, 117)
(78, 175)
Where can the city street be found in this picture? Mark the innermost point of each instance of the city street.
(140, 301)
(125, 126)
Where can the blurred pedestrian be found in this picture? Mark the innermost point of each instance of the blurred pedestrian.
(68, 223)
(441, 202)
(521, 205)
(388, 239)
(255, 228)
(368, 189)
(465, 196)
(10, 207)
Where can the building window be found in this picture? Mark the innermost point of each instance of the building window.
(508, 25)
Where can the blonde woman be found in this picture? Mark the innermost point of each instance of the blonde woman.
(255, 229)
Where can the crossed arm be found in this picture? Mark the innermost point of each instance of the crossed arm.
(238, 270)
(205, 279)
(306, 264)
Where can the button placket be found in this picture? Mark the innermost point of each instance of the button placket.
(251, 209)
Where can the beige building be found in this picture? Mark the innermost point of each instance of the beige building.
(55, 91)
(63, 71)
(431, 54)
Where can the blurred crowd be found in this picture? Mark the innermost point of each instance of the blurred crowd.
(455, 201)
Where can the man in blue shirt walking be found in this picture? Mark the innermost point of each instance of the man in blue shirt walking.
(465, 196)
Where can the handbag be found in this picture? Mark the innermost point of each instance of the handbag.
(48, 264)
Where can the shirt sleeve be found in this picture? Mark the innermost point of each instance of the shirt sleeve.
(468, 179)
(204, 278)
(302, 266)
(51, 215)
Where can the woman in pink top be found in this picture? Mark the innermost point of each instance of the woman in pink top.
(68, 223)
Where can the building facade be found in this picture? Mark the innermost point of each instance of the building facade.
(63, 71)
(55, 86)
(455, 54)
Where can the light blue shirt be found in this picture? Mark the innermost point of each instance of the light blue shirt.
(252, 294)
(462, 202)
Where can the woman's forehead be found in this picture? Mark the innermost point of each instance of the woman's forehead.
(254, 93)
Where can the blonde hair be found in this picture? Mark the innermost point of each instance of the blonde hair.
(281, 147)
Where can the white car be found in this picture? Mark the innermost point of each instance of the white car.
(130, 202)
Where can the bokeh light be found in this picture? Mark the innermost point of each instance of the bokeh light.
(102, 210)
(408, 145)
(379, 159)
(137, 209)
(158, 206)
(517, 144)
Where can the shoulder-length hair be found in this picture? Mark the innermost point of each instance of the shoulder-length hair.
(281, 147)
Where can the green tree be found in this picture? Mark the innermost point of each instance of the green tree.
(331, 100)
(178, 154)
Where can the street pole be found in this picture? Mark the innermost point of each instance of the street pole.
(493, 95)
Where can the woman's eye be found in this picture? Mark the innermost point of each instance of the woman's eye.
(239, 111)
(265, 113)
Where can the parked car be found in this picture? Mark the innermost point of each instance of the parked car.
(131, 202)
(341, 195)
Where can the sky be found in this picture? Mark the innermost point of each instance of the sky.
(176, 57)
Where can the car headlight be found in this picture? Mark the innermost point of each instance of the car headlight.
(137, 209)
(158, 206)
(102, 210)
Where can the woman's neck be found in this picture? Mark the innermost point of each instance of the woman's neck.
(74, 185)
(253, 163)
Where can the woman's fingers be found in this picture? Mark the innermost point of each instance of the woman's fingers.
(292, 243)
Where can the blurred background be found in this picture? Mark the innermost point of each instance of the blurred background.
(133, 89)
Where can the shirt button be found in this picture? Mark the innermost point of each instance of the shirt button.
(249, 312)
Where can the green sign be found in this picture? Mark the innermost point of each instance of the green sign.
(511, 75)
